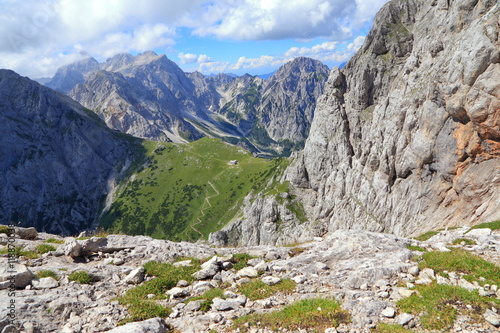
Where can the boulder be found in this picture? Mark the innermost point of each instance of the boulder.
(45, 283)
(26, 233)
(72, 248)
(271, 280)
(249, 272)
(18, 274)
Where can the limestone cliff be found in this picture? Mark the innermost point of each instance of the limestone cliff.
(407, 135)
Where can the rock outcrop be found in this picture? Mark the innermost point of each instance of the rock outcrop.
(58, 159)
(406, 137)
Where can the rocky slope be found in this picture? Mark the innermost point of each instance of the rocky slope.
(58, 158)
(368, 273)
(406, 137)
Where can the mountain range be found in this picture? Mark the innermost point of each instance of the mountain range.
(150, 97)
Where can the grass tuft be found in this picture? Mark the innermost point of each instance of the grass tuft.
(44, 248)
(208, 296)
(495, 225)
(81, 277)
(314, 315)
(440, 305)
(390, 328)
(46, 273)
(466, 241)
(416, 248)
(257, 289)
(461, 261)
(54, 241)
(240, 260)
(166, 277)
(426, 236)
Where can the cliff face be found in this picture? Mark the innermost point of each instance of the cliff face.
(407, 135)
(58, 159)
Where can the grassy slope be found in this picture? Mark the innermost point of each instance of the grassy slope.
(185, 192)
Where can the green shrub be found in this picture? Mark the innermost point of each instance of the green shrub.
(314, 315)
(82, 277)
(4, 229)
(44, 248)
(46, 273)
(390, 328)
(257, 289)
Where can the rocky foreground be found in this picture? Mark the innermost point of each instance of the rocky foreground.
(367, 272)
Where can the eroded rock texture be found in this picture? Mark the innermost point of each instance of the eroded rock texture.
(407, 135)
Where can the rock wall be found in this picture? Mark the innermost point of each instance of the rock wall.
(58, 159)
(407, 136)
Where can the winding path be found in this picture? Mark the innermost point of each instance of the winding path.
(202, 210)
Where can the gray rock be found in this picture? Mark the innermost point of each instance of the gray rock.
(177, 292)
(193, 305)
(404, 318)
(26, 233)
(271, 280)
(72, 247)
(45, 283)
(388, 312)
(492, 317)
(156, 325)
(16, 274)
(219, 304)
(249, 272)
(135, 277)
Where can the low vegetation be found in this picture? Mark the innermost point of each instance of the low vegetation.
(44, 248)
(426, 236)
(314, 315)
(241, 260)
(461, 261)
(257, 289)
(46, 273)
(495, 225)
(4, 229)
(416, 248)
(54, 241)
(463, 241)
(82, 277)
(440, 305)
(166, 277)
(185, 192)
(208, 297)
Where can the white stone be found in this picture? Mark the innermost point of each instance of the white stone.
(492, 318)
(247, 272)
(45, 283)
(299, 279)
(21, 274)
(271, 280)
(135, 277)
(404, 318)
(177, 292)
(388, 312)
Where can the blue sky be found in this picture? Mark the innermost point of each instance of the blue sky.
(211, 36)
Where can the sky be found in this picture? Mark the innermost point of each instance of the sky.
(211, 36)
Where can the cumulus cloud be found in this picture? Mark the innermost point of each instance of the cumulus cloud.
(279, 19)
(189, 58)
(37, 36)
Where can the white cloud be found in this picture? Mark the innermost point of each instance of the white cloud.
(37, 36)
(189, 58)
(279, 19)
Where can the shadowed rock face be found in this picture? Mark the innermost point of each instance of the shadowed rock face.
(407, 136)
(58, 159)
